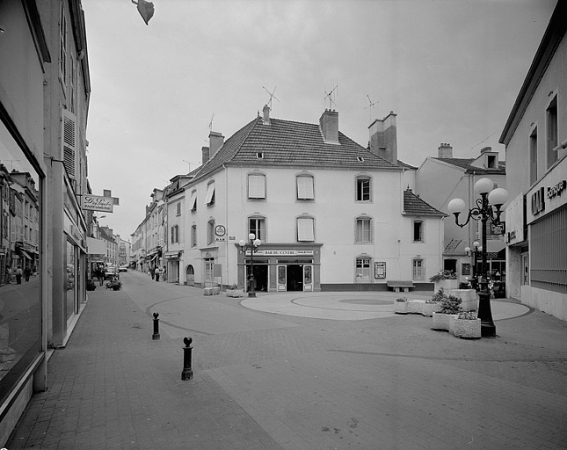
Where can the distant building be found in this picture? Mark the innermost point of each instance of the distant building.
(444, 177)
(330, 214)
(535, 136)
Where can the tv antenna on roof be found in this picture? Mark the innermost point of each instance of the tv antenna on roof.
(272, 96)
(331, 96)
(211, 123)
(370, 106)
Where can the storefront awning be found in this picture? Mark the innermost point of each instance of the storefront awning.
(171, 255)
(25, 254)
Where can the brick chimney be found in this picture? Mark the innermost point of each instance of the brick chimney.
(384, 138)
(204, 155)
(329, 124)
(445, 151)
(215, 142)
(266, 112)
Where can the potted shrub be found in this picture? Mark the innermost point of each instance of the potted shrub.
(401, 306)
(230, 290)
(465, 325)
(433, 304)
(446, 279)
(449, 307)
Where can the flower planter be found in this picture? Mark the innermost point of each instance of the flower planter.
(429, 308)
(416, 306)
(401, 306)
(468, 296)
(446, 284)
(441, 321)
(465, 328)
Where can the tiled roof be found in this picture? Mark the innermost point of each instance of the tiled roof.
(415, 206)
(288, 143)
(465, 163)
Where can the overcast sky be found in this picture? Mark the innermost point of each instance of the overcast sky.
(450, 70)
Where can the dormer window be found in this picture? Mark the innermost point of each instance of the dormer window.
(260, 155)
(360, 159)
(491, 162)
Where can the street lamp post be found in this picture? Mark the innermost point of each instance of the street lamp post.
(253, 246)
(489, 207)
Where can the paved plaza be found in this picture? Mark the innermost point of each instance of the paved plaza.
(296, 371)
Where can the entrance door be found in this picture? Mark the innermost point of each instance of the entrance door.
(282, 278)
(308, 278)
(190, 276)
(294, 277)
(525, 269)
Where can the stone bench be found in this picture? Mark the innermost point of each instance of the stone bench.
(396, 285)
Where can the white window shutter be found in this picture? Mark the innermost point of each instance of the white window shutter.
(69, 138)
(256, 186)
(210, 193)
(305, 229)
(305, 188)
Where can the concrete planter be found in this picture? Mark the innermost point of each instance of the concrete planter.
(235, 293)
(468, 296)
(401, 306)
(441, 321)
(416, 306)
(429, 308)
(446, 285)
(465, 328)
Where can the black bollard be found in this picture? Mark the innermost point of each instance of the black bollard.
(187, 373)
(156, 327)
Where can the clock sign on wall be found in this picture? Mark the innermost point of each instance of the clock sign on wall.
(220, 230)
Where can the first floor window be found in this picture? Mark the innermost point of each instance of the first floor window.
(210, 197)
(363, 229)
(175, 234)
(363, 269)
(418, 231)
(418, 269)
(305, 189)
(305, 229)
(257, 226)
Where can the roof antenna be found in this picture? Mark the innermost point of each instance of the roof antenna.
(370, 106)
(211, 123)
(272, 96)
(331, 97)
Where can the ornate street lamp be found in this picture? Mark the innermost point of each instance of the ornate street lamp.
(253, 247)
(489, 207)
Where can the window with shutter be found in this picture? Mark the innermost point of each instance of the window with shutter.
(305, 189)
(193, 203)
(256, 186)
(305, 229)
(210, 197)
(69, 142)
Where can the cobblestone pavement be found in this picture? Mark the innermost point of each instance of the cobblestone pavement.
(269, 380)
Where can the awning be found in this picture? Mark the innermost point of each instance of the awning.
(96, 246)
(26, 254)
(171, 255)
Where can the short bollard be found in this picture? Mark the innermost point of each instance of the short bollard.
(187, 373)
(156, 327)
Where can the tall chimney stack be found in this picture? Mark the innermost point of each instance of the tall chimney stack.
(215, 142)
(266, 112)
(445, 151)
(204, 155)
(384, 138)
(329, 124)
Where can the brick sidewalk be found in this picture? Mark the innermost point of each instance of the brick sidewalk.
(276, 382)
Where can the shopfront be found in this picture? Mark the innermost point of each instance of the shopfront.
(173, 259)
(282, 268)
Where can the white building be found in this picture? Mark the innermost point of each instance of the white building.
(330, 214)
(535, 136)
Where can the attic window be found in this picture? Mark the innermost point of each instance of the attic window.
(491, 162)
(360, 159)
(260, 155)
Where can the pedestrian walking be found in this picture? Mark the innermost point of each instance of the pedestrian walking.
(99, 273)
(27, 273)
(158, 271)
(153, 272)
(8, 274)
(19, 273)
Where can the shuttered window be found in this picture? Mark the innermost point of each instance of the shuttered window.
(305, 190)
(256, 186)
(305, 229)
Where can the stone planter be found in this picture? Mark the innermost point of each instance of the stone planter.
(468, 296)
(401, 306)
(208, 291)
(429, 308)
(235, 293)
(446, 285)
(441, 321)
(465, 328)
(416, 306)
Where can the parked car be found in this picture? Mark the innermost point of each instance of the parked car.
(123, 269)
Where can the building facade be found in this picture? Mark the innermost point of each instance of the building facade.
(330, 214)
(440, 179)
(535, 136)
